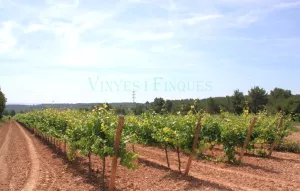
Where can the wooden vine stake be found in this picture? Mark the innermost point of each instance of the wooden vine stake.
(274, 142)
(65, 147)
(178, 156)
(247, 138)
(198, 129)
(167, 157)
(111, 186)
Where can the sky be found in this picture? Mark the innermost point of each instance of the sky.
(75, 51)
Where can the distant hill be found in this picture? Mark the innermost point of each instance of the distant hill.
(216, 104)
(19, 107)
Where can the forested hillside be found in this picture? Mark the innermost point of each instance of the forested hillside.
(257, 99)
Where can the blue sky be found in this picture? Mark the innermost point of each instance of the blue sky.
(100, 51)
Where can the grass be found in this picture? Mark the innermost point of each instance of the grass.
(295, 127)
(3, 120)
(288, 146)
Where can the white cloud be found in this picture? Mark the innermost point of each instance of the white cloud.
(177, 46)
(94, 55)
(140, 36)
(247, 19)
(7, 39)
(65, 3)
(85, 37)
(34, 27)
(137, 1)
(287, 5)
(157, 49)
(165, 48)
(198, 18)
(68, 22)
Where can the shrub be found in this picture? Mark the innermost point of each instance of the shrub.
(288, 146)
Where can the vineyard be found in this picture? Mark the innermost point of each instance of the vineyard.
(93, 132)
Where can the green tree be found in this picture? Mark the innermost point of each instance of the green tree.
(212, 106)
(292, 105)
(185, 108)
(147, 105)
(238, 101)
(120, 110)
(197, 105)
(138, 109)
(279, 100)
(2, 103)
(258, 98)
(108, 106)
(81, 109)
(169, 106)
(226, 104)
(12, 113)
(5, 112)
(158, 104)
(280, 93)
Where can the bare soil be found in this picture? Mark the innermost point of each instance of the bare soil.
(295, 136)
(27, 163)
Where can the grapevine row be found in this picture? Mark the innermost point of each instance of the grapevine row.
(93, 131)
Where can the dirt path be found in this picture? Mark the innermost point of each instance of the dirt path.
(27, 164)
(4, 141)
(144, 151)
(254, 174)
(35, 163)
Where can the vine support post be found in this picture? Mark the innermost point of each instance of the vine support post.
(198, 129)
(60, 147)
(274, 142)
(90, 167)
(247, 138)
(178, 156)
(111, 185)
(65, 147)
(103, 173)
(54, 143)
(167, 157)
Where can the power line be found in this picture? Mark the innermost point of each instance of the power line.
(133, 96)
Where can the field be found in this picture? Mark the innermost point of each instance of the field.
(150, 150)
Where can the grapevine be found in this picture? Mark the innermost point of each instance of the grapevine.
(93, 131)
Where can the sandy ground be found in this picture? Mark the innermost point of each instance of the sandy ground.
(295, 136)
(27, 163)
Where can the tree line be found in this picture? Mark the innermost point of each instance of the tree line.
(256, 100)
(2, 103)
